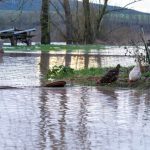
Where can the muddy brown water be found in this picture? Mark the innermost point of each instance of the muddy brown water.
(73, 117)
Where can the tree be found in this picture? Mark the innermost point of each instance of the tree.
(68, 22)
(88, 34)
(103, 11)
(45, 22)
(101, 14)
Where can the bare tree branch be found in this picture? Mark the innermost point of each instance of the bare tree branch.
(101, 14)
(124, 7)
(61, 3)
(61, 32)
(57, 10)
(145, 45)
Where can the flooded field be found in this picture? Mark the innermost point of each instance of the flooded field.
(78, 118)
(73, 117)
(28, 68)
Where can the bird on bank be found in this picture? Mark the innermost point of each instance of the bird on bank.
(110, 76)
(135, 73)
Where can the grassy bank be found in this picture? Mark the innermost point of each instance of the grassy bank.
(53, 47)
(86, 77)
(89, 77)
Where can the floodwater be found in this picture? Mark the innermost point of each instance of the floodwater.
(74, 118)
(28, 68)
(69, 118)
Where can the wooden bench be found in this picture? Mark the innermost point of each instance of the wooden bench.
(16, 35)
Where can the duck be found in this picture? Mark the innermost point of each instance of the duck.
(110, 76)
(135, 73)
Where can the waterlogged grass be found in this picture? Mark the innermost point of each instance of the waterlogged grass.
(63, 72)
(89, 76)
(90, 72)
(52, 47)
(83, 77)
(146, 74)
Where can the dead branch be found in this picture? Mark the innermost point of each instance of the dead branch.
(61, 32)
(124, 7)
(57, 10)
(145, 45)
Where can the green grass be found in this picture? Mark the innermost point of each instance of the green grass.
(89, 76)
(90, 72)
(83, 77)
(62, 72)
(146, 74)
(52, 47)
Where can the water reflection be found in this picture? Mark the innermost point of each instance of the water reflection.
(1, 58)
(44, 115)
(74, 118)
(112, 96)
(67, 59)
(44, 66)
(82, 126)
(19, 71)
(29, 69)
(93, 119)
(77, 118)
(47, 127)
(87, 61)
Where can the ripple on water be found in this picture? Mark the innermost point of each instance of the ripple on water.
(74, 118)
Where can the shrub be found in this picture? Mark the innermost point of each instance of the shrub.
(58, 72)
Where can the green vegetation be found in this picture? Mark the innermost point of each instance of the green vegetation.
(91, 72)
(83, 76)
(52, 47)
(146, 74)
(89, 76)
(64, 72)
(58, 72)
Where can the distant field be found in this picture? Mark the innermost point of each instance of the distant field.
(51, 47)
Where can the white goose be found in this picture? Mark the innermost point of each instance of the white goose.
(135, 73)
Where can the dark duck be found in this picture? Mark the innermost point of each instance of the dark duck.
(110, 76)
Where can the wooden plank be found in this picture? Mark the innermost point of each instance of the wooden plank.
(7, 30)
(25, 31)
(15, 34)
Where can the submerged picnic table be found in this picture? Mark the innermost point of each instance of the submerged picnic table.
(16, 35)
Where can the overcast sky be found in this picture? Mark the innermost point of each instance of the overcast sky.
(143, 5)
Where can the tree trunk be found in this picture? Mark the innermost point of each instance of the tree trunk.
(88, 34)
(45, 23)
(68, 21)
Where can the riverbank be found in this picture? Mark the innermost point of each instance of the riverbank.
(143, 83)
(89, 77)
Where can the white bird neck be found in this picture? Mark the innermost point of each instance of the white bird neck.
(138, 64)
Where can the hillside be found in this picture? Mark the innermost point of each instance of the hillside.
(35, 5)
(119, 23)
(28, 5)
